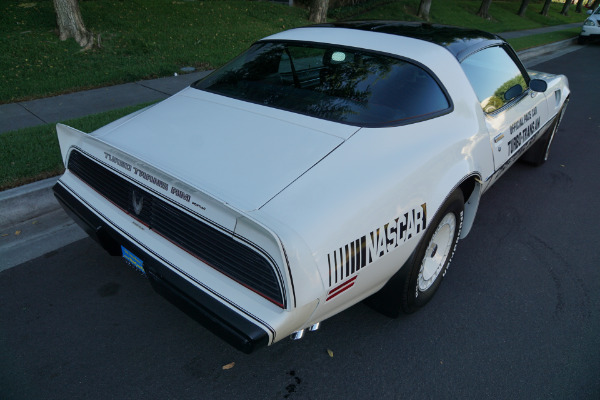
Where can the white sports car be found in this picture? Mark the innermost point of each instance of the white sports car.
(325, 165)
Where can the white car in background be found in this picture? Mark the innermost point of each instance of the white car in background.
(591, 27)
(324, 166)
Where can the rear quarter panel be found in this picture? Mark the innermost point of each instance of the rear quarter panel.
(364, 188)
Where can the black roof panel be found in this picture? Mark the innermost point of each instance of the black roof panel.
(459, 41)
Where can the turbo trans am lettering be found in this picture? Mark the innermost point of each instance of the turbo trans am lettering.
(526, 133)
(117, 161)
(360, 253)
(181, 194)
(150, 178)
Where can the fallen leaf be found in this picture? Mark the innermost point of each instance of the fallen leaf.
(229, 366)
(330, 353)
(17, 233)
(4, 234)
(34, 222)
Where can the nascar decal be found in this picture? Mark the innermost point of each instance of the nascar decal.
(359, 253)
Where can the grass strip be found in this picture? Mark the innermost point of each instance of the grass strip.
(528, 42)
(32, 154)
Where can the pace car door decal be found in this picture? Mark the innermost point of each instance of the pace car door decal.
(530, 123)
(512, 129)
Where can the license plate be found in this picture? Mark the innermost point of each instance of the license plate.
(133, 260)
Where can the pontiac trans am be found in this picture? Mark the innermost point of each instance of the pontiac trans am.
(324, 166)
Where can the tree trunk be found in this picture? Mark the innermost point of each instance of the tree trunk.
(579, 6)
(565, 9)
(424, 7)
(484, 10)
(596, 4)
(318, 11)
(546, 7)
(70, 23)
(523, 8)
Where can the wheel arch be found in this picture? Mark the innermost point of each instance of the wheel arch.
(388, 300)
(471, 189)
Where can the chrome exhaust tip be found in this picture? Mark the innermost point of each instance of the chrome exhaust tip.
(300, 334)
(297, 335)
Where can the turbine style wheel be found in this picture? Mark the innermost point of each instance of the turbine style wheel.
(433, 255)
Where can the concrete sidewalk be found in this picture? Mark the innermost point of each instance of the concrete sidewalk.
(537, 31)
(26, 114)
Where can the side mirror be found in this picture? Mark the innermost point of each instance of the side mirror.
(589, 12)
(513, 92)
(538, 85)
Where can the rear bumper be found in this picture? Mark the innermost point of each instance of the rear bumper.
(230, 326)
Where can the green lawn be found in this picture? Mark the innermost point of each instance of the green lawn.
(32, 154)
(139, 39)
(462, 13)
(152, 38)
(538, 40)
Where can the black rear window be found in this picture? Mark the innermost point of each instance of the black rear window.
(345, 85)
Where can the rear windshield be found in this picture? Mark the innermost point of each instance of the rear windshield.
(345, 85)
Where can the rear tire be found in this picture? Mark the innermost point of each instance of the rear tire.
(402, 292)
(433, 255)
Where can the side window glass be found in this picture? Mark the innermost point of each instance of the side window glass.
(495, 77)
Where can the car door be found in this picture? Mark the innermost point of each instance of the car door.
(514, 113)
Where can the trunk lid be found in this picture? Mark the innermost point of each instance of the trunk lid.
(242, 154)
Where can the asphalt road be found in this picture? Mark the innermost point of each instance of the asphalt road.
(517, 316)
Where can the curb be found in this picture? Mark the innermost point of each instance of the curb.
(27, 202)
(528, 54)
(30, 201)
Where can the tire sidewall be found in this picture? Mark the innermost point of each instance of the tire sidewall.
(414, 298)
